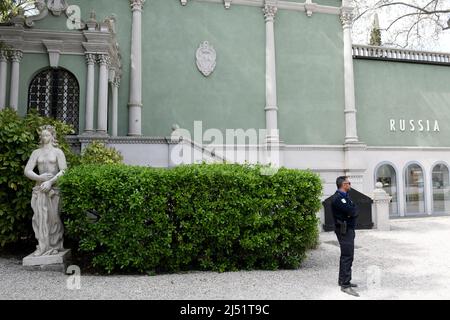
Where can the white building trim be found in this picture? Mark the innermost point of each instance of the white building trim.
(135, 102)
(271, 109)
(99, 39)
(3, 76)
(351, 135)
(90, 83)
(102, 115)
(308, 6)
(394, 54)
(16, 57)
(115, 105)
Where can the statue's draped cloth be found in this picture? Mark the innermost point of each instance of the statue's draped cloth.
(47, 224)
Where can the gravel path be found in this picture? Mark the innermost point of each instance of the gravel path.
(412, 261)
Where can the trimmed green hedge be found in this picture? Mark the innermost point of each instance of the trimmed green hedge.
(205, 216)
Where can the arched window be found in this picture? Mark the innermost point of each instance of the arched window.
(55, 93)
(414, 190)
(441, 197)
(387, 176)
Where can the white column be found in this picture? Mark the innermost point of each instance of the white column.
(351, 135)
(90, 83)
(271, 108)
(428, 190)
(16, 57)
(3, 72)
(102, 115)
(401, 192)
(135, 102)
(115, 97)
(380, 212)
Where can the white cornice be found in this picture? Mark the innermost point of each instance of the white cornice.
(98, 48)
(407, 148)
(309, 7)
(313, 147)
(62, 42)
(405, 55)
(168, 140)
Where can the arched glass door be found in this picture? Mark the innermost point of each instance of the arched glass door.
(387, 176)
(414, 190)
(441, 197)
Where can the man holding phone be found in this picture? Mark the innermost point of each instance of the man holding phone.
(345, 214)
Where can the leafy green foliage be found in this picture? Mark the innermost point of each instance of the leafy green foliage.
(375, 37)
(375, 33)
(208, 216)
(18, 138)
(11, 8)
(97, 153)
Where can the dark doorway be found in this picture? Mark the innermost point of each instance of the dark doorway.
(364, 205)
(55, 93)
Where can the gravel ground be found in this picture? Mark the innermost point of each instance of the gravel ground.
(412, 261)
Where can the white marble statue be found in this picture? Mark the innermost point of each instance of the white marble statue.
(51, 164)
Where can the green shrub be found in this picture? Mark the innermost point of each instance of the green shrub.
(18, 138)
(97, 153)
(210, 217)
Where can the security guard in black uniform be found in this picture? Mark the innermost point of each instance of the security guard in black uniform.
(345, 214)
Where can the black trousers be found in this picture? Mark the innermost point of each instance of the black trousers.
(347, 244)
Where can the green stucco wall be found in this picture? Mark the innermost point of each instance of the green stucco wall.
(310, 78)
(234, 95)
(395, 90)
(332, 3)
(174, 91)
(309, 66)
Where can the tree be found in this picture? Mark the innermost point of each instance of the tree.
(11, 8)
(406, 24)
(375, 35)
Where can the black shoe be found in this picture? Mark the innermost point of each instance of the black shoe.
(350, 291)
(353, 285)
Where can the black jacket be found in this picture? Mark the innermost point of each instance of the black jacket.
(344, 209)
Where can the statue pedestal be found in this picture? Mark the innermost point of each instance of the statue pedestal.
(56, 262)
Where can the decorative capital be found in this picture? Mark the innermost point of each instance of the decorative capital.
(137, 4)
(104, 59)
(90, 58)
(16, 55)
(3, 55)
(116, 82)
(269, 12)
(346, 18)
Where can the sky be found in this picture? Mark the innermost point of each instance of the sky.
(430, 41)
(444, 43)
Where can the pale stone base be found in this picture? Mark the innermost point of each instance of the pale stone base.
(56, 262)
